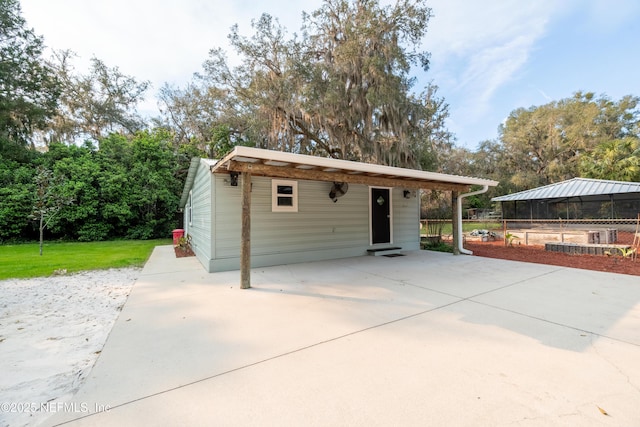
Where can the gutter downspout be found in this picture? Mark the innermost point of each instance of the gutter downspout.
(459, 217)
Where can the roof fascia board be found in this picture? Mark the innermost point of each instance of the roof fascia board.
(346, 165)
(315, 175)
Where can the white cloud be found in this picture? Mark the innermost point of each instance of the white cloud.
(460, 26)
(163, 41)
(478, 47)
(490, 69)
(158, 40)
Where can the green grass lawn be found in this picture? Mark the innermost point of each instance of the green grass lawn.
(24, 260)
(468, 226)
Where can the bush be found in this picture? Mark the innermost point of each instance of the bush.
(438, 247)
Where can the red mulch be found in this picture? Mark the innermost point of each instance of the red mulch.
(537, 254)
(183, 252)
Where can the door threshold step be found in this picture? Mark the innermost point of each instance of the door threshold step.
(384, 251)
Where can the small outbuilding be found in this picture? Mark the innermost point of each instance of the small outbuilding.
(577, 198)
(259, 207)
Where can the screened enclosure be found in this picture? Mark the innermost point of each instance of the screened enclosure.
(578, 198)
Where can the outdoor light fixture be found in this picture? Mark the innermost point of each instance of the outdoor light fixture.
(407, 194)
(233, 179)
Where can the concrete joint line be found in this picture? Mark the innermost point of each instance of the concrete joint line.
(554, 323)
(278, 356)
(519, 282)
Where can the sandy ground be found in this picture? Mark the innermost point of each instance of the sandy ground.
(52, 330)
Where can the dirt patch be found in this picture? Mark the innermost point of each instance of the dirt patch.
(182, 252)
(537, 254)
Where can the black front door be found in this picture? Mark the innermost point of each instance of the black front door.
(380, 215)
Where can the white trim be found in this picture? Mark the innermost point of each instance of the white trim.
(458, 218)
(390, 242)
(275, 196)
(302, 161)
(190, 208)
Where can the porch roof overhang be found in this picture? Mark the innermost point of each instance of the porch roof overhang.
(277, 164)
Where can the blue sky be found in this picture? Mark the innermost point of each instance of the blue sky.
(488, 58)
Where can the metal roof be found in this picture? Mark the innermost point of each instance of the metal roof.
(576, 187)
(300, 166)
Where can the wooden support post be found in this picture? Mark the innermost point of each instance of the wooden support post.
(245, 244)
(504, 231)
(455, 230)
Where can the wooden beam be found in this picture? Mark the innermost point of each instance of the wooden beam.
(319, 175)
(245, 244)
(455, 230)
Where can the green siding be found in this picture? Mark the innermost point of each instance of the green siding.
(201, 226)
(406, 220)
(227, 212)
(321, 229)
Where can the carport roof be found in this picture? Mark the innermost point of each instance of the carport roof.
(576, 187)
(279, 164)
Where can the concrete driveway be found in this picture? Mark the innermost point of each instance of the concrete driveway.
(423, 339)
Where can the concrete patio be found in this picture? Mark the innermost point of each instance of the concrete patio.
(423, 339)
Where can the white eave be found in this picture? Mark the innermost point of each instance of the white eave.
(300, 166)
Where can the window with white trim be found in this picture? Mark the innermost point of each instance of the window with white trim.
(284, 196)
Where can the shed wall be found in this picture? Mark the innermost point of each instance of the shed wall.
(406, 220)
(200, 228)
(321, 229)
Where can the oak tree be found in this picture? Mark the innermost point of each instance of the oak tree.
(546, 144)
(29, 88)
(341, 88)
(94, 104)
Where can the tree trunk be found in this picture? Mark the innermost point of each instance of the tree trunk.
(41, 232)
